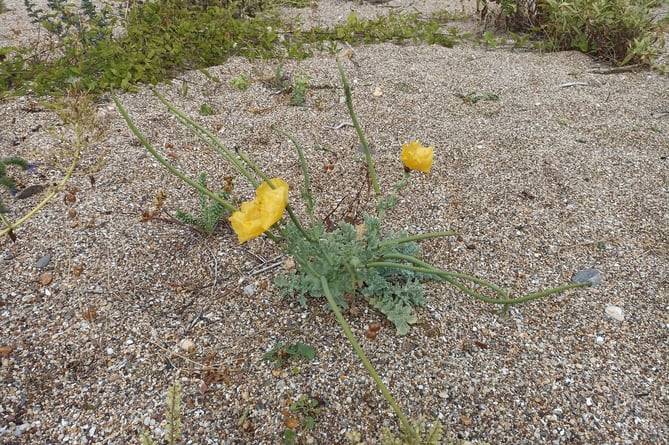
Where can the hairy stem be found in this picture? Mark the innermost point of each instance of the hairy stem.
(209, 138)
(305, 171)
(165, 163)
(365, 361)
(453, 278)
(358, 129)
(419, 237)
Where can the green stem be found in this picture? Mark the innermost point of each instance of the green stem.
(451, 278)
(4, 221)
(209, 138)
(165, 163)
(419, 237)
(365, 361)
(305, 171)
(358, 129)
(398, 256)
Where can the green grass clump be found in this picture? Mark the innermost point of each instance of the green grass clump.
(620, 31)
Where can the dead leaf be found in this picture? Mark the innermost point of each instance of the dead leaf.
(89, 315)
(77, 270)
(291, 423)
(5, 351)
(46, 278)
(466, 421)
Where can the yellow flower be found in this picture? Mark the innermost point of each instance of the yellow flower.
(257, 216)
(417, 157)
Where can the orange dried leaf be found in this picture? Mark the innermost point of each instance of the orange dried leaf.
(291, 423)
(5, 351)
(46, 278)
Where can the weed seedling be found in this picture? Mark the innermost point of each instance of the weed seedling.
(212, 211)
(280, 353)
(206, 110)
(241, 82)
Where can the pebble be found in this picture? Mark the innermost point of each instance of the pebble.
(44, 261)
(592, 275)
(20, 429)
(615, 312)
(187, 345)
(599, 340)
(249, 290)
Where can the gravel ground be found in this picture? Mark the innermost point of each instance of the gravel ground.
(545, 181)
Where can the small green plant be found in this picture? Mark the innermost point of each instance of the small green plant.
(206, 110)
(306, 410)
(280, 353)
(212, 211)
(172, 417)
(3, 7)
(299, 89)
(293, 90)
(241, 82)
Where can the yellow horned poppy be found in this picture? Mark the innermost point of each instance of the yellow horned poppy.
(417, 157)
(257, 216)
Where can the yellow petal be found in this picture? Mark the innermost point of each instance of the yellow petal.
(257, 216)
(417, 157)
(246, 223)
(272, 202)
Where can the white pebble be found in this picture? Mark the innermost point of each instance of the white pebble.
(20, 429)
(110, 351)
(615, 312)
(187, 345)
(249, 290)
(599, 340)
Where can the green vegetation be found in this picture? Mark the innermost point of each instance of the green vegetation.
(620, 31)
(342, 262)
(206, 110)
(212, 212)
(280, 353)
(165, 37)
(5, 180)
(472, 98)
(241, 82)
(306, 409)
